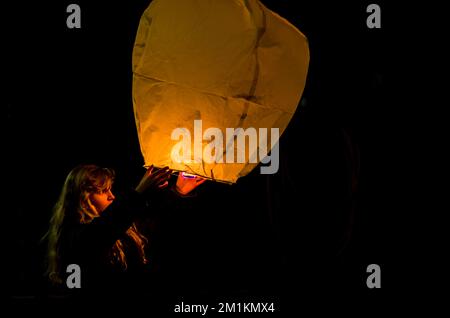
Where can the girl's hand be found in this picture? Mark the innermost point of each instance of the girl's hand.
(154, 180)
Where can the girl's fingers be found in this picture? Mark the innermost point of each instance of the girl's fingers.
(161, 177)
(165, 184)
(162, 171)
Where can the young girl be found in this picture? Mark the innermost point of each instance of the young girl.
(93, 229)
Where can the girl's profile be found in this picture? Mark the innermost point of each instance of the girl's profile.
(92, 228)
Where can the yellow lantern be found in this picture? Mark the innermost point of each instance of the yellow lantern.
(206, 73)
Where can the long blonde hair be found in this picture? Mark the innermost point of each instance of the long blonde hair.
(75, 207)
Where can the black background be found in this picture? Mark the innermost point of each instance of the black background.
(69, 102)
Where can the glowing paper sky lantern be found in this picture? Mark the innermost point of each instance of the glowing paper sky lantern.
(213, 65)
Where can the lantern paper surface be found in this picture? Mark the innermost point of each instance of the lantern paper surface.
(229, 63)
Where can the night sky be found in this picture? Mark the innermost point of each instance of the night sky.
(315, 225)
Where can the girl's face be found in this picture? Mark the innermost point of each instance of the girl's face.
(101, 200)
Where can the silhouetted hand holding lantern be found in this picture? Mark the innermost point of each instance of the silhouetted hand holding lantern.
(151, 179)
